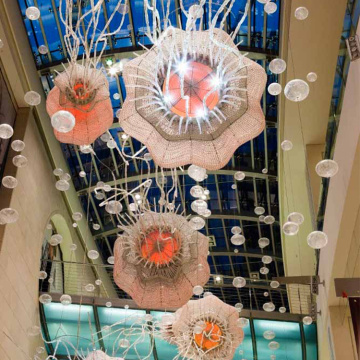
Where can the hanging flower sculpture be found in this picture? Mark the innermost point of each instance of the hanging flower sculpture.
(193, 98)
(159, 259)
(207, 329)
(79, 104)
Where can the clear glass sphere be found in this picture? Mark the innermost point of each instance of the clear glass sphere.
(317, 239)
(282, 310)
(99, 196)
(111, 260)
(264, 270)
(51, 280)
(296, 90)
(270, 8)
(263, 1)
(269, 307)
(75, 225)
(286, 145)
(18, 145)
(269, 335)
(90, 287)
(269, 219)
(233, 186)
(8, 216)
(108, 304)
(273, 345)
(207, 293)
(242, 322)
(236, 230)
(296, 218)
(199, 206)
(65, 177)
(197, 191)
(45, 299)
(237, 239)
(49, 226)
(32, 98)
(43, 49)
(311, 77)
(272, 357)
(167, 319)
(86, 149)
(197, 173)
(274, 284)
(239, 282)
(113, 207)
(239, 306)
(9, 182)
(33, 330)
(32, 13)
(307, 320)
(55, 240)
(93, 254)
(111, 144)
(266, 259)
(239, 175)
(265, 171)
(116, 96)
(196, 11)
(62, 185)
(274, 89)
(148, 317)
(266, 294)
(42, 275)
(263, 242)
(206, 213)
(98, 282)
(290, 228)
(58, 172)
(20, 161)
(40, 350)
(124, 343)
(197, 223)
(65, 299)
(77, 216)
(96, 227)
(198, 290)
(73, 247)
(147, 157)
(63, 121)
(301, 13)
(6, 131)
(259, 210)
(105, 137)
(123, 9)
(261, 218)
(277, 66)
(327, 168)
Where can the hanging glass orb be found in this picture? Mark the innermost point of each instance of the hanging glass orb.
(123, 9)
(111, 144)
(8, 216)
(55, 240)
(111, 260)
(301, 13)
(266, 294)
(86, 149)
(266, 259)
(124, 343)
(264, 171)
(269, 334)
(113, 207)
(269, 219)
(43, 49)
(290, 228)
(282, 310)
(263, 242)
(167, 319)
(207, 293)
(73, 247)
(317, 239)
(197, 223)
(99, 196)
(32, 98)
(6, 131)
(96, 227)
(92, 254)
(274, 284)
(45, 299)
(263, 1)
(33, 330)
(239, 282)
(19, 161)
(296, 90)
(296, 218)
(65, 177)
(237, 239)
(90, 287)
(264, 270)
(272, 357)
(197, 173)
(32, 13)
(261, 218)
(18, 145)
(196, 11)
(198, 290)
(98, 282)
(286, 145)
(65, 299)
(311, 77)
(42, 275)
(75, 225)
(206, 213)
(277, 66)
(105, 137)
(269, 307)
(239, 175)
(270, 8)
(108, 304)
(236, 230)
(40, 350)
(116, 96)
(199, 206)
(239, 306)
(62, 185)
(307, 320)
(107, 188)
(49, 226)
(327, 168)
(63, 121)
(77, 216)
(273, 345)
(51, 280)
(274, 89)
(242, 322)
(197, 191)
(147, 157)
(259, 210)
(58, 172)
(233, 186)
(9, 182)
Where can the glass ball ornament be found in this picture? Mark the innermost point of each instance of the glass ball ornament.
(99, 196)
(239, 282)
(51, 280)
(206, 213)
(264, 270)
(32, 98)
(274, 89)
(42, 275)
(167, 319)
(33, 330)
(113, 207)
(311, 77)
(282, 310)
(43, 49)
(105, 137)
(6, 131)
(269, 334)
(290, 228)
(73, 247)
(301, 13)
(237, 239)
(198, 290)
(8, 216)
(317, 239)
(45, 299)
(327, 168)
(77, 216)
(108, 304)
(273, 345)
(277, 66)
(96, 227)
(63, 121)
(236, 230)
(233, 186)
(269, 219)
(55, 240)
(199, 206)
(65, 299)
(261, 218)
(86, 149)
(242, 322)
(266, 294)
(9, 182)
(58, 172)
(62, 185)
(259, 210)
(111, 144)
(286, 145)
(296, 90)
(197, 191)
(93, 254)
(239, 306)
(263, 242)
(197, 173)
(272, 357)
(265, 171)
(111, 260)
(307, 320)
(148, 317)
(124, 343)
(266, 259)
(274, 284)
(197, 223)
(98, 282)
(270, 8)
(90, 287)
(207, 293)
(116, 96)
(296, 218)
(40, 350)
(32, 13)
(196, 11)
(74, 225)
(20, 161)
(18, 145)
(239, 175)
(269, 307)
(65, 177)
(147, 157)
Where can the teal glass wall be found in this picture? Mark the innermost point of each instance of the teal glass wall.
(310, 334)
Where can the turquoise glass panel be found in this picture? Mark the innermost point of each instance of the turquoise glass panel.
(311, 341)
(287, 334)
(245, 350)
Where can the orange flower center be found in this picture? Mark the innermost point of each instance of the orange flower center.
(209, 338)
